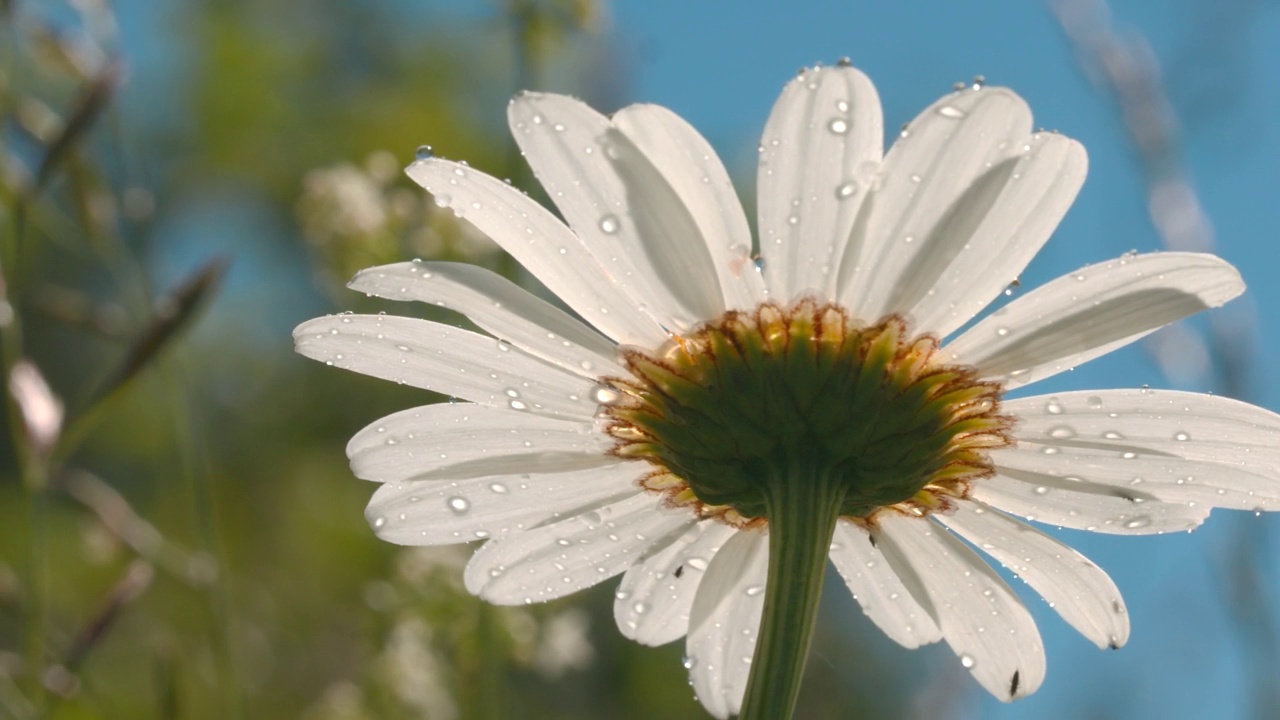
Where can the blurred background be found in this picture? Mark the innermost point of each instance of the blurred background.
(182, 183)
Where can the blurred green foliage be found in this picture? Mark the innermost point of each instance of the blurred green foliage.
(190, 544)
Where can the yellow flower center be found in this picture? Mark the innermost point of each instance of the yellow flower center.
(722, 412)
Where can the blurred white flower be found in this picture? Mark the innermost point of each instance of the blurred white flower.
(628, 441)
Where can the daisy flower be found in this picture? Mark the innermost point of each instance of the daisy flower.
(714, 417)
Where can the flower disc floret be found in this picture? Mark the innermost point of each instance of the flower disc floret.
(724, 411)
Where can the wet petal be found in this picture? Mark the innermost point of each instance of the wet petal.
(654, 600)
(447, 360)
(1081, 592)
(569, 555)
(464, 440)
(500, 307)
(632, 221)
(982, 620)
(440, 512)
(542, 244)
(990, 233)
(820, 151)
(879, 590)
(724, 621)
(693, 170)
(1075, 502)
(934, 165)
(1091, 312)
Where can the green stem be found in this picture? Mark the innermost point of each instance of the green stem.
(803, 507)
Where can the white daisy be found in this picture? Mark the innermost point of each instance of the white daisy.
(704, 402)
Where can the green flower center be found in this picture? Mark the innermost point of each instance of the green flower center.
(721, 414)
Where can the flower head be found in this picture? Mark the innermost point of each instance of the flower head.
(705, 386)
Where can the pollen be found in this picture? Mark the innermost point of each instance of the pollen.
(722, 411)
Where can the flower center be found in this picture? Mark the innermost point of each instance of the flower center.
(723, 412)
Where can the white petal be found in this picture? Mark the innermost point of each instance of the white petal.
(654, 600)
(630, 219)
(929, 169)
(982, 620)
(1091, 312)
(562, 558)
(819, 154)
(1079, 590)
(437, 512)
(724, 622)
(990, 233)
(447, 360)
(500, 307)
(458, 441)
(542, 244)
(879, 590)
(1178, 446)
(694, 171)
(1071, 501)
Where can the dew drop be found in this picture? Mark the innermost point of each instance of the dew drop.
(1181, 436)
(754, 590)
(1002, 331)
(696, 563)
(689, 662)
(423, 152)
(1062, 432)
(1095, 402)
(640, 608)
(846, 190)
(609, 224)
(967, 660)
(1042, 490)
(459, 505)
(518, 405)
(379, 522)
(498, 488)
(1112, 435)
(604, 395)
(838, 126)
(1054, 406)
(950, 111)
(1140, 521)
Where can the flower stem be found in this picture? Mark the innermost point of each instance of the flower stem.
(803, 508)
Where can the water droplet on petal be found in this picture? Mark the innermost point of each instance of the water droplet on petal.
(846, 190)
(1181, 436)
(950, 111)
(838, 126)
(967, 660)
(1054, 406)
(609, 224)
(1140, 521)
(459, 505)
(423, 152)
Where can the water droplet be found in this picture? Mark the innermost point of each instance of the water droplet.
(978, 82)
(838, 126)
(846, 190)
(1054, 406)
(640, 608)
(609, 224)
(498, 488)
(1095, 402)
(459, 505)
(1042, 490)
(696, 563)
(591, 519)
(689, 662)
(967, 660)
(518, 405)
(793, 220)
(754, 590)
(604, 395)
(1112, 435)
(423, 152)
(950, 111)
(1181, 436)
(503, 346)
(1002, 331)
(1062, 432)
(379, 522)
